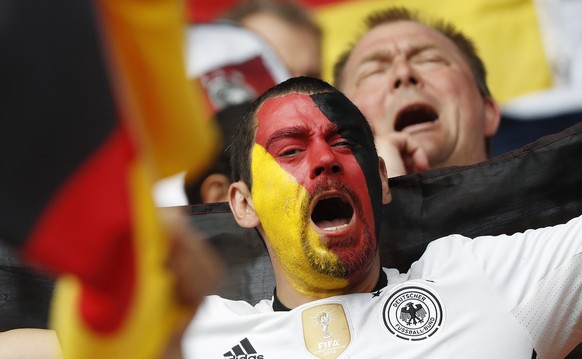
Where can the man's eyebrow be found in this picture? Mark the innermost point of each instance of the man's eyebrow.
(288, 132)
(347, 129)
(420, 48)
(377, 56)
(384, 55)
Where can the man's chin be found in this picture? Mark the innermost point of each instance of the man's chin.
(347, 262)
(434, 146)
(358, 255)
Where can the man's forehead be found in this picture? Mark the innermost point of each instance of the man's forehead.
(401, 35)
(295, 112)
(329, 109)
(403, 30)
(293, 104)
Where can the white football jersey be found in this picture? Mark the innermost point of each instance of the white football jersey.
(489, 297)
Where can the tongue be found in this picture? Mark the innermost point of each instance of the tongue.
(324, 224)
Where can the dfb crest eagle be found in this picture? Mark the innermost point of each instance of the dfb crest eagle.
(413, 313)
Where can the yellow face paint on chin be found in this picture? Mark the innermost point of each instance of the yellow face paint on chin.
(283, 205)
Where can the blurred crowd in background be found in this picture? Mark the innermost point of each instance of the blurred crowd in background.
(237, 49)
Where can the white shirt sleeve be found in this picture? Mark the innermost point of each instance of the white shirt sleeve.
(538, 275)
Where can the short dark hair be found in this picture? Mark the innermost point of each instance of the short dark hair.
(394, 14)
(244, 138)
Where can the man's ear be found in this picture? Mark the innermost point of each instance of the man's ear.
(386, 195)
(214, 188)
(492, 116)
(241, 205)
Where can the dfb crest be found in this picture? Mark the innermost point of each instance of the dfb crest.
(413, 312)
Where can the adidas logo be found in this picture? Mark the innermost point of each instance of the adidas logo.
(243, 350)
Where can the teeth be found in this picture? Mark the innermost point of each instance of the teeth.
(335, 228)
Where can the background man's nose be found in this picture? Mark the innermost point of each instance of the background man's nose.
(403, 75)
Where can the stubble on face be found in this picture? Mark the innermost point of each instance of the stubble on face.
(353, 253)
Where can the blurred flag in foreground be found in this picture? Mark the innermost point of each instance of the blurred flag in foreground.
(96, 106)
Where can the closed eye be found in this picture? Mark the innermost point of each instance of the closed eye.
(428, 56)
(427, 59)
(371, 72)
(371, 69)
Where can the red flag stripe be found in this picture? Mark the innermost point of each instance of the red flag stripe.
(106, 250)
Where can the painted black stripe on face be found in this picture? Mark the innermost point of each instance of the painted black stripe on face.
(352, 124)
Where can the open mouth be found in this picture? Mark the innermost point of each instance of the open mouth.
(414, 115)
(332, 213)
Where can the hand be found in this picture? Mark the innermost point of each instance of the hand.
(195, 265)
(402, 154)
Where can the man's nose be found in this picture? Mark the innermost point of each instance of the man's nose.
(403, 75)
(324, 161)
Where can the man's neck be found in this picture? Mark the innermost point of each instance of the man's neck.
(286, 298)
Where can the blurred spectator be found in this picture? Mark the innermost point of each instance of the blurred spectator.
(537, 114)
(288, 28)
(422, 86)
(213, 185)
(233, 64)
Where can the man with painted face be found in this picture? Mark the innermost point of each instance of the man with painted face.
(422, 86)
(308, 178)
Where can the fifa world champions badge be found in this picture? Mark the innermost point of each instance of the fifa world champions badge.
(413, 312)
(326, 330)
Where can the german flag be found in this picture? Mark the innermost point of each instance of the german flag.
(96, 107)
